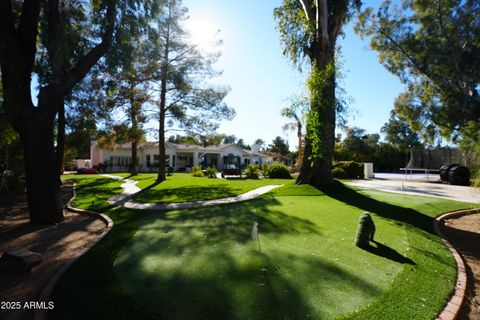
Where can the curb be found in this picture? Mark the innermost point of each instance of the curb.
(46, 293)
(452, 308)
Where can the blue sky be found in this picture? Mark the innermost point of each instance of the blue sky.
(262, 79)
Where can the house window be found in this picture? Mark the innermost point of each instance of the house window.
(120, 161)
(148, 161)
(173, 161)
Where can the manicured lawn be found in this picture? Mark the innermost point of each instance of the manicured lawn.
(93, 191)
(183, 187)
(202, 264)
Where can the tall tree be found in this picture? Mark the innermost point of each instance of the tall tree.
(260, 142)
(398, 132)
(434, 48)
(186, 101)
(50, 31)
(279, 145)
(230, 139)
(297, 111)
(309, 29)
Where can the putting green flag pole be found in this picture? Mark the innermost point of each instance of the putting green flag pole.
(256, 235)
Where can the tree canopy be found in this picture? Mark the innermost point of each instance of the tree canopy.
(398, 133)
(186, 101)
(434, 48)
(57, 43)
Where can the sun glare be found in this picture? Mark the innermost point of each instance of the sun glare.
(203, 33)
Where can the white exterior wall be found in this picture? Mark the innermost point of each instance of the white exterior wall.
(194, 152)
(117, 153)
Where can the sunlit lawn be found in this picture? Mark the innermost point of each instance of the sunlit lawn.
(183, 187)
(202, 263)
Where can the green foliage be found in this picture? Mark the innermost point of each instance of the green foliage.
(277, 171)
(296, 32)
(365, 231)
(317, 84)
(469, 144)
(309, 29)
(339, 173)
(259, 142)
(354, 170)
(252, 171)
(191, 103)
(211, 172)
(232, 139)
(7, 181)
(279, 145)
(434, 50)
(362, 147)
(11, 150)
(399, 133)
(197, 171)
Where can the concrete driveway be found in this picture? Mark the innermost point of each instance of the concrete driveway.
(418, 188)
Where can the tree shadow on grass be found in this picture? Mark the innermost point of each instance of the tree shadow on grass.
(342, 193)
(384, 251)
(184, 194)
(96, 194)
(202, 263)
(229, 221)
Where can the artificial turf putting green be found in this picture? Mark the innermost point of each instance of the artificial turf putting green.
(212, 267)
(202, 264)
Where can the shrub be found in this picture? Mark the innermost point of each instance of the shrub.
(339, 173)
(197, 171)
(252, 171)
(211, 172)
(7, 181)
(365, 231)
(277, 171)
(353, 169)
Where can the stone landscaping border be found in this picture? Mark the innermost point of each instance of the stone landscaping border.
(46, 293)
(452, 308)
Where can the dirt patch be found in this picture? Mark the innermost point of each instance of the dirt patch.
(58, 244)
(464, 233)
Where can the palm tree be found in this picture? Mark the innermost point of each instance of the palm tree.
(296, 112)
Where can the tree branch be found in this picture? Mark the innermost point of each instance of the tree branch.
(28, 31)
(308, 9)
(322, 20)
(85, 63)
(9, 45)
(339, 16)
(15, 65)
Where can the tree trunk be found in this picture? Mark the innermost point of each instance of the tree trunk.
(161, 148)
(134, 130)
(163, 104)
(316, 168)
(133, 170)
(36, 133)
(300, 147)
(60, 149)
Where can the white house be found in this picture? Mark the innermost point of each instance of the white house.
(179, 156)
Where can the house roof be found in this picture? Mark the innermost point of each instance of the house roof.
(193, 147)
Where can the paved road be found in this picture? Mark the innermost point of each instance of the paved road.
(429, 189)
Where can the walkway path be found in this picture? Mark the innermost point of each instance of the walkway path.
(458, 193)
(129, 190)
